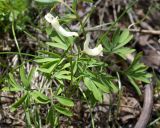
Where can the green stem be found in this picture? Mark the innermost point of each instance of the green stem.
(27, 112)
(15, 39)
(154, 122)
(71, 63)
(90, 109)
(24, 54)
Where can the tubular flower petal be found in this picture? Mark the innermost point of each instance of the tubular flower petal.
(97, 51)
(55, 24)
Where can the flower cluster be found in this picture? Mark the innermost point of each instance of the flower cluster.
(97, 51)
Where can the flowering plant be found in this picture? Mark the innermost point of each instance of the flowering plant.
(70, 70)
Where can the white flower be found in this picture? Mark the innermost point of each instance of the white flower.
(97, 51)
(55, 24)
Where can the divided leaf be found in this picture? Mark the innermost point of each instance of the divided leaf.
(119, 40)
(92, 87)
(137, 72)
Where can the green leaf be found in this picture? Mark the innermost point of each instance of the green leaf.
(119, 40)
(65, 101)
(39, 97)
(58, 45)
(44, 60)
(49, 64)
(51, 116)
(58, 39)
(115, 39)
(31, 73)
(106, 44)
(123, 52)
(137, 71)
(63, 111)
(92, 87)
(12, 89)
(16, 87)
(125, 42)
(135, 85)
(23, 77)
(49, 30)
(18, 103)
(63, 40)
(63, 75)
(110, 84)
(135, 61)
(142, 76)
(68, 18)
(12, 79)
(75, 67)
(101, 86)
(48, 67)
(88, 1)
(124, 36)
(114, 88)
(67, 65)
(52, 54)
(88, 83)
(45, 70)
(12, 82)
(59, 42)
(60, 89)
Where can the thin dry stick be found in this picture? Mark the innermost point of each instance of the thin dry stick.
(114, 10)
(153, 32)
